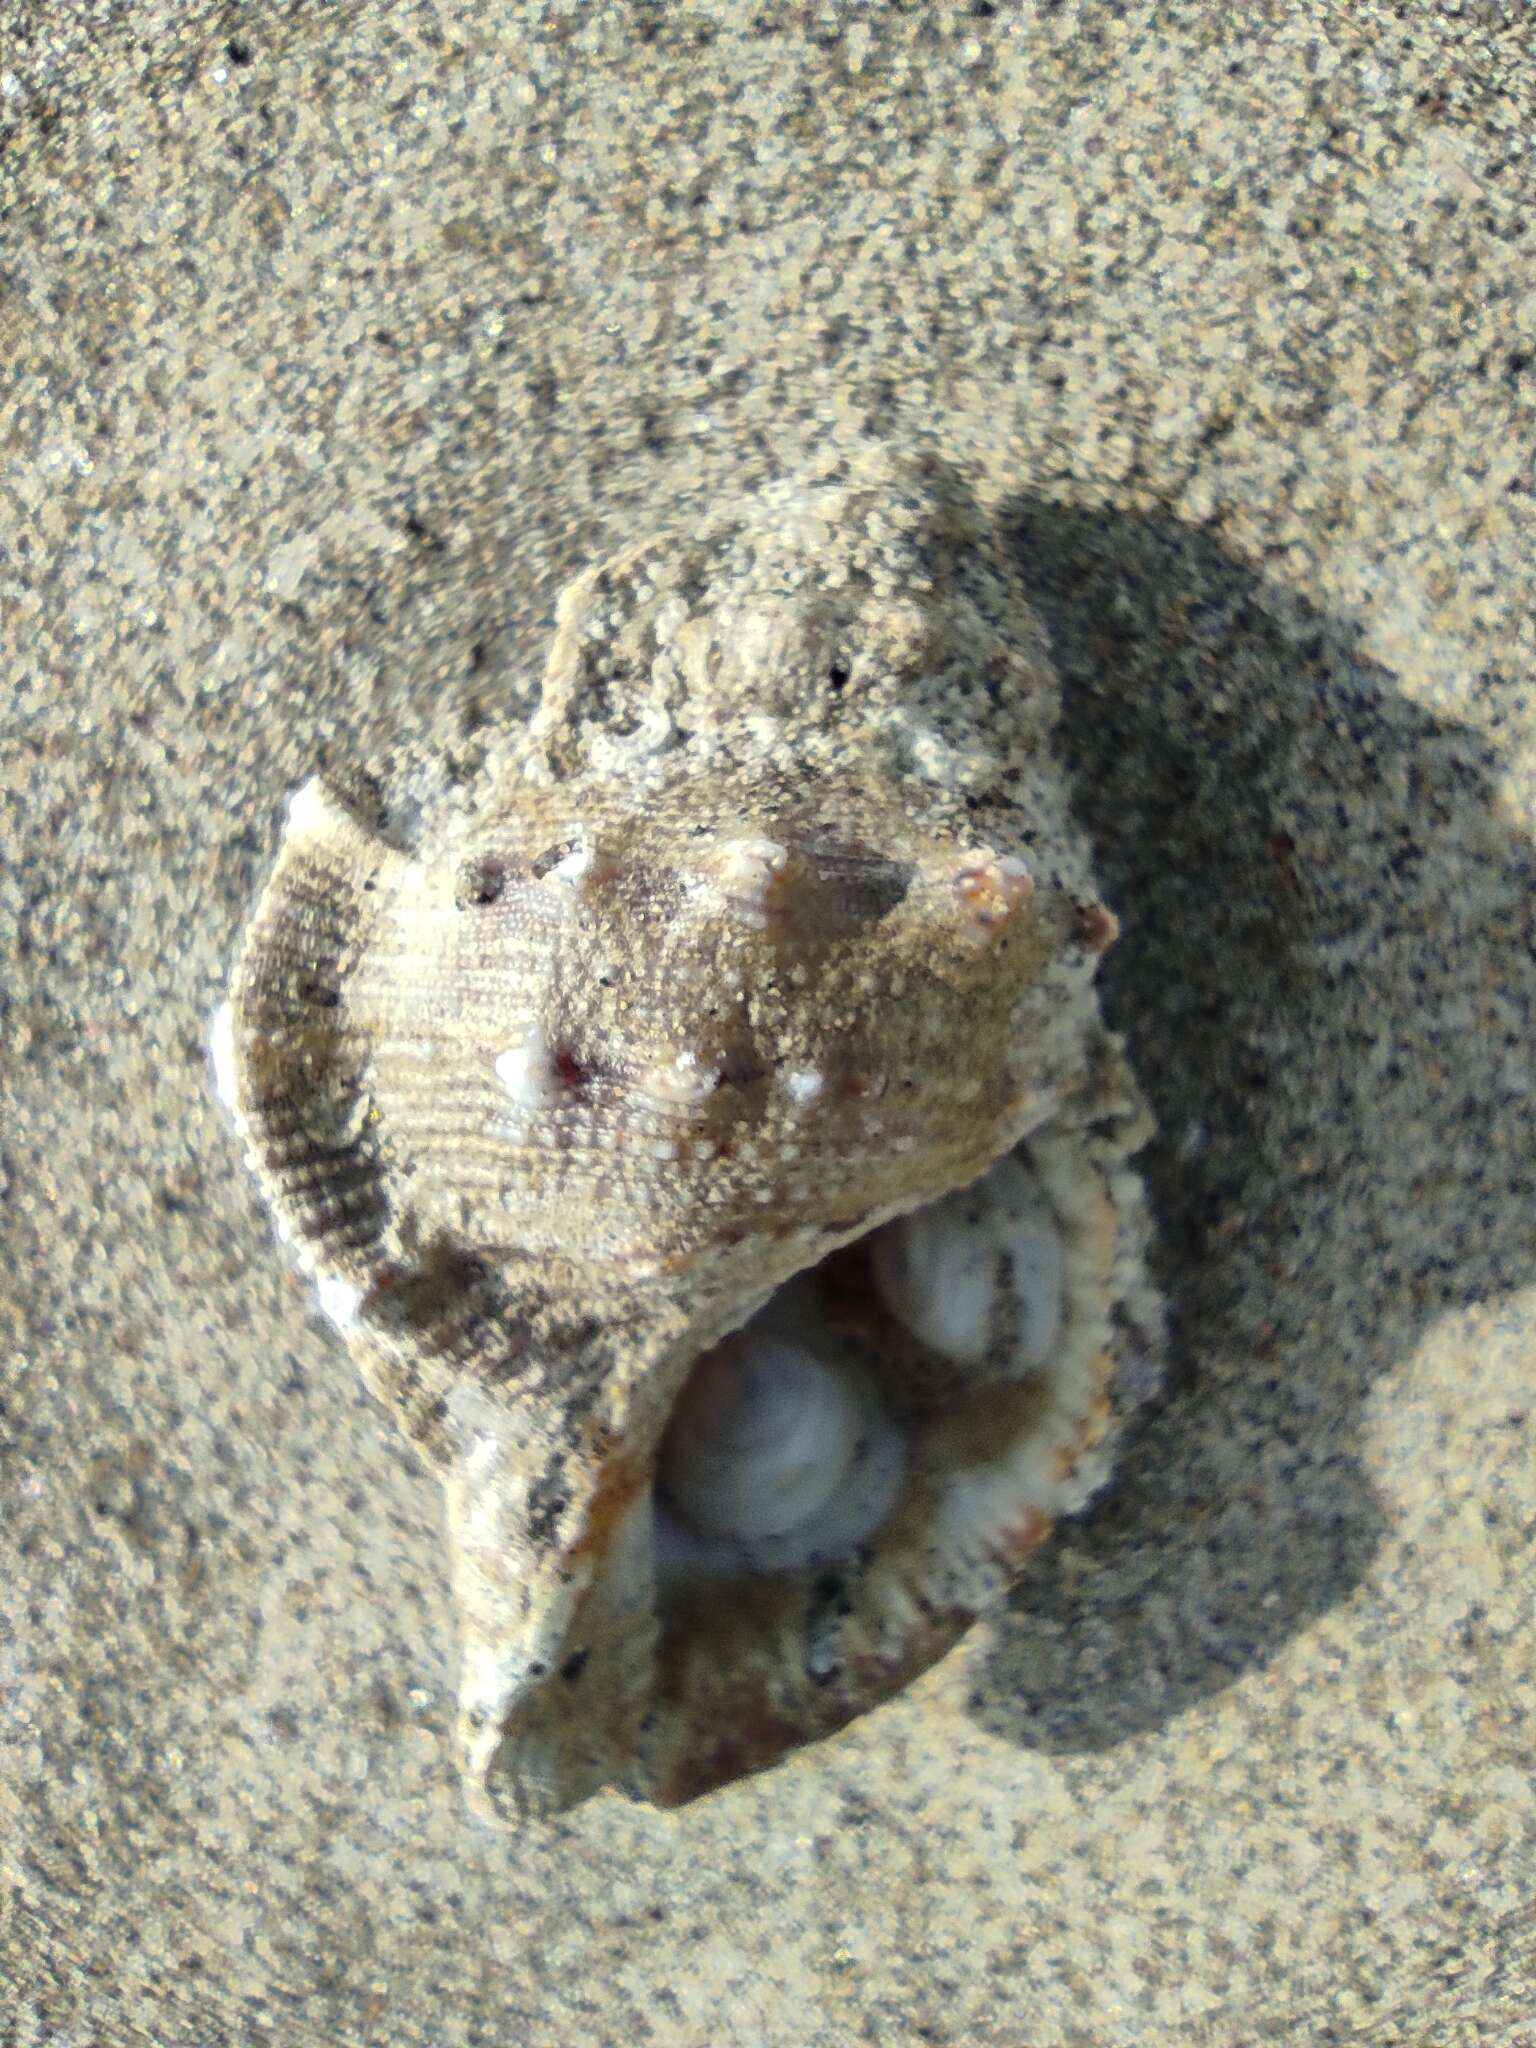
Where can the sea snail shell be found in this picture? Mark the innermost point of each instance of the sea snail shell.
(775, 1459)
(706, 1138)
(978, 1270)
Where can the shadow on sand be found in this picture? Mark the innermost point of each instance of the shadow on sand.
(1328, 983)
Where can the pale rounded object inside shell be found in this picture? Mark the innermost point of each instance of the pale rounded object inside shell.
(979, 1270)
(777, 1457)
(704, 1136)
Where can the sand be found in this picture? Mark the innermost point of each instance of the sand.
(332, 339)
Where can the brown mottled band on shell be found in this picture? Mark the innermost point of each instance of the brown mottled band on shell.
(708, 1143)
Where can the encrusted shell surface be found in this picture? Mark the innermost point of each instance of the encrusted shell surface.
(770, 927)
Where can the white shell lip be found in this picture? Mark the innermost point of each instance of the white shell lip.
(338, 1299)
(221, 1055)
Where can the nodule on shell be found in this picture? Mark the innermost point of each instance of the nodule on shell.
(707, 1142)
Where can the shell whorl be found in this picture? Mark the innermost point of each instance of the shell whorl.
(760, 1441)
(777, 1457)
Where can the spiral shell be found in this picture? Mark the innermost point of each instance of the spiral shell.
(707, 1141)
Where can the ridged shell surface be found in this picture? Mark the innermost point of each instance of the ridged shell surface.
(608, 1119)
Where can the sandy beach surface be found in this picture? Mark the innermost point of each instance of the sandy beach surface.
(333, 339)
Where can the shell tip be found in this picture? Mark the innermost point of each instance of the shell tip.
(1098, 928)
(757, 879)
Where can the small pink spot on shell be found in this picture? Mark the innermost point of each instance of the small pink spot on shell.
(1020, 1539)
(569, 1070)
(1097, 928)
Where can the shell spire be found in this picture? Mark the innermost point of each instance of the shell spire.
(707, 1141)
